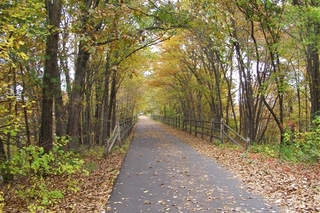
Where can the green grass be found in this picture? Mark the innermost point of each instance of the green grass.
(297, 152)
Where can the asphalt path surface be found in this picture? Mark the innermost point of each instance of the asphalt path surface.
(161, 173)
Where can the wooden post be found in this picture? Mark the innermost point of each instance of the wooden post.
(211, 132)
(195, 127)
(221, 130)
(202, 124)
(247, 143)
(119, 133)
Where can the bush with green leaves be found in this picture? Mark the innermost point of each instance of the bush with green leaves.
(32, 164)
(38, 195)
(297, 146)
(302, 147)
(306, 146)
(32, 160)
(268, 149)
(2, 201)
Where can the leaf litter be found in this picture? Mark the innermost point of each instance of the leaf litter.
(90, 192)
(293, 187)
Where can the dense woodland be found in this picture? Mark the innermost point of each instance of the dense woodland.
(253, 63)
(70, 69)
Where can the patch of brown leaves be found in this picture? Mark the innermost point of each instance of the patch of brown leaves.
(88, 193)
(294, 187)
(95, 188)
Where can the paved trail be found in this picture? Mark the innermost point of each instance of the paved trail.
(161, 173)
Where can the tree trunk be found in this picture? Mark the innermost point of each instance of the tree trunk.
(25, 113)
(50, 76)
(74, 110)
(106, 107)
(112, 102)
(311, 34)
(77, 93)
(4, 171)
(314, 76)
(87, 119)
(98, 120)
(59, 110)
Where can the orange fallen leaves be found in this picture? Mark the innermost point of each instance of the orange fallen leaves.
(93, 190)
(294, 187)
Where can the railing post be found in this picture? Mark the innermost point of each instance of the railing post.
(247, 143)
(119, 132)
(195, 127)
(184, 125)
(202, 126)
(176, 120)
(211, 132)
(221, 130)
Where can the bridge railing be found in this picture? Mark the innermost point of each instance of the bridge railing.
(206, 129)
(121, 132)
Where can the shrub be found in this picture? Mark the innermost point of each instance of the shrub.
(2, 201)
(268, 149)
(32, 164)
(31, 160)
(38, 195)
(304, 147)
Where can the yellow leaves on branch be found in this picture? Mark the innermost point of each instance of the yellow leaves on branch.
(20, 20)
(11, 45)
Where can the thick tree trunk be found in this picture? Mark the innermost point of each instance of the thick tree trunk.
(74, 110)
(248, 104)
(77, 93)
(313, 71)
(98, 121)
(312, 33)
(87, 118)
(106, 107)
(112, 102)
(50, 76)
(60, 113)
